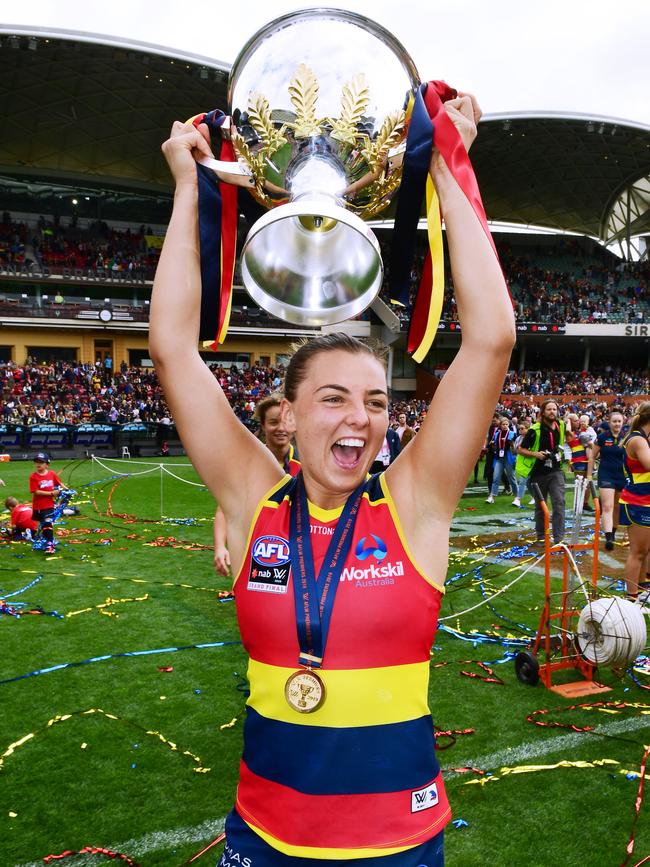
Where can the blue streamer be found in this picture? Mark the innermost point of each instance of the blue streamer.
(63, 665)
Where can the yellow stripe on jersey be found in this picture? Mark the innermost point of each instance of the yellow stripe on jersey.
(400, 532)
(361, 697)
(319, 852)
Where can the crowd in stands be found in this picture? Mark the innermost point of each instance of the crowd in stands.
(555, 284)
(569, 280)
(64, 392)
(98, 249)
(617, 381)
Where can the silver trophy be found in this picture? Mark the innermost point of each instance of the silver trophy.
(320, 103)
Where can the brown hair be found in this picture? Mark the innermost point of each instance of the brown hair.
(308, 349)
(264, 405)
(11, 503)
(641, 416)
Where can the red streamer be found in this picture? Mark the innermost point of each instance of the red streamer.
(637, 809)
(92, 850)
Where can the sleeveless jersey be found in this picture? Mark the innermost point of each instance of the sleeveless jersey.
(637, 490)
(578, 454)
(359, 776)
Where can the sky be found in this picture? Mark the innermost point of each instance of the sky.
(578, 56)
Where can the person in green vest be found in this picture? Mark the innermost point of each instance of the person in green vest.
(540, 459)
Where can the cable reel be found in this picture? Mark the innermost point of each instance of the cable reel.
(611, 632)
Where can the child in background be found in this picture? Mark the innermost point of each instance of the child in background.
(21, 521)
(44, 485)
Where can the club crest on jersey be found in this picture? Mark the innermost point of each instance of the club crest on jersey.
(378, 550)
(270, 565)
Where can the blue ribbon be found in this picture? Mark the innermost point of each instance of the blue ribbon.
(417, 158)
(210, 238)
(313, 615)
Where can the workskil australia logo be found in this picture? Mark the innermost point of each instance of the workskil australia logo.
(378, 550)
(270, 565)
(373, 575)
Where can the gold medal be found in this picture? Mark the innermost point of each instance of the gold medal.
(304, 691)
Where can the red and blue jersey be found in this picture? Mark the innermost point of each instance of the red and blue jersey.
(637, 490)
(359, 776)
(579, 461)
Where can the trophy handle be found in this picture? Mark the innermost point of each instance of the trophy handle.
(237, 173)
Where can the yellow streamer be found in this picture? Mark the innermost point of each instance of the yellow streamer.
(434, 226)
(109, 603)
(11, 749)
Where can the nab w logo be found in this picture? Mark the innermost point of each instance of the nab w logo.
(422, 799)
(378, 550)
(271, 551)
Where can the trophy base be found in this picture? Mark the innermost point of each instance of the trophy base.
(312, 262)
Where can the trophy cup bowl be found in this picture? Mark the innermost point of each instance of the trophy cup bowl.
(319, 100)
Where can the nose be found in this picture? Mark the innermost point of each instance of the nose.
(357, 414)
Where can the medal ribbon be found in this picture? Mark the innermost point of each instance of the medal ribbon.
(314, 597)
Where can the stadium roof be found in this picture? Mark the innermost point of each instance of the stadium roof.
(91, 110)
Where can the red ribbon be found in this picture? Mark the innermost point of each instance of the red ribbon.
(448, 141)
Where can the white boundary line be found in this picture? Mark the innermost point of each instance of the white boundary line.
(532, 750)
(154, 842)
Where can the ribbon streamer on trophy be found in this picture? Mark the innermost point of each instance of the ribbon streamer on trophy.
(328, 123)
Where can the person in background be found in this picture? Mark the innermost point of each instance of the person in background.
(277, 439)
(542, 446)
(580, 445)
(503, 440)
(522, 470)
(21, 521)
(404, 431)
(389, 450)
(611, 473)
(44, 485)
(635, 504)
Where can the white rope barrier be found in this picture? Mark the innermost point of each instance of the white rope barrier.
(186, 481)
(494, 595)
(138, 463)
(152, 469)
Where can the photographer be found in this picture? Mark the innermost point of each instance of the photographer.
(541, 450)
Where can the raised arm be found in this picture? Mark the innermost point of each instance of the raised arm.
(433, 471)
(231, 461)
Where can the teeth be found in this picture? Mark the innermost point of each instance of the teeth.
(349, 441)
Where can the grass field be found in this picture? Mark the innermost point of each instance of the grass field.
(104, 773)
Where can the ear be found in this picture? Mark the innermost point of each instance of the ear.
(287, 416)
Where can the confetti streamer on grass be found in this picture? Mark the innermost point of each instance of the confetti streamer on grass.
(11, 749)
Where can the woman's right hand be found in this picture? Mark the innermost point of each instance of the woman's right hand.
(222, 560)
(185, 143)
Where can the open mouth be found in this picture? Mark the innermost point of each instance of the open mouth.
(347, 452)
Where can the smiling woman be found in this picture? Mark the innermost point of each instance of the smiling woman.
(339, 575)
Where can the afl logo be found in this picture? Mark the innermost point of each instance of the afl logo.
(271, 551)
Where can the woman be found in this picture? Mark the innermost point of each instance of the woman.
(521, 472)
(635, 502)
(504, 459)
(611, 474)
(278, 440)
(339, 760)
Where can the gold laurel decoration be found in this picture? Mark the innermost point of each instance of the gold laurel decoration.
(303, 92)
(255, 163)
(389, 135)
(354, 101)
(259, 116)
(379, 194)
